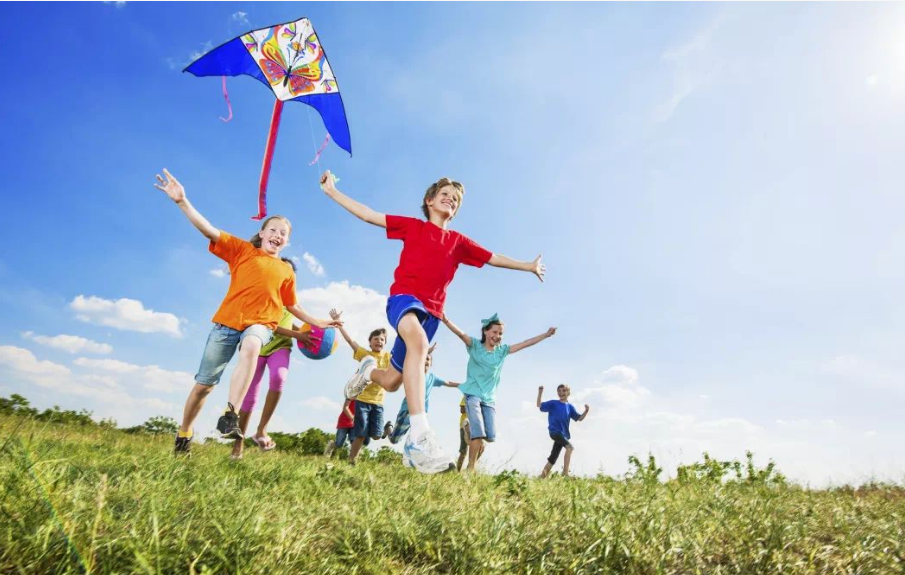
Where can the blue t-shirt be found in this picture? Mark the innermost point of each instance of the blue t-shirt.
(430, 382)
(559, 414)
(484, 369)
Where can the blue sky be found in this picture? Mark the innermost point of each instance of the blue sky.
(716, 189)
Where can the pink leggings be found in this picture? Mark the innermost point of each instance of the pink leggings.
(277, 364)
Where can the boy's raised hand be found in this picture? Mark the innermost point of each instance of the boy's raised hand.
(539, 268)
(170, 186)
(335, 314)
(551, 332)
(328, 182)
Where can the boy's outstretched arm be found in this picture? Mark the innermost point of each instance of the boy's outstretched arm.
(587, 408)
(466, 339)
(540, 390)
(536, 267)
(300, 313)
(302, 336)
(172, 188)
(529, 342)
(352, 343)
(357, 209)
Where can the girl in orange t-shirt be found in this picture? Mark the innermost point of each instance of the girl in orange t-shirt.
(260, 286)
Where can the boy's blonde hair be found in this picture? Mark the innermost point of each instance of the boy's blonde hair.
(256, 239)
(434, 188)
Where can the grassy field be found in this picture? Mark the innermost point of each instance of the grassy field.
(81, 499)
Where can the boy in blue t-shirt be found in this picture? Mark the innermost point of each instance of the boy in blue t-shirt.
(559, 411)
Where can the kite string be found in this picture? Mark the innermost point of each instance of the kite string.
(317, 152)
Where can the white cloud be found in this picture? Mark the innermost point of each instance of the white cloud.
(125, 314)
(240, 18)
(855, 370)
(322, 403)
(363, 308)
(181, 62)
(219, 273)
(617, 388)
(205, 48)
(69, 343)
(150, 377)
(24, 362)
(620, 374)
(313, 265)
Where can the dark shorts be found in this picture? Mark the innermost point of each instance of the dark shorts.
(558, 443)
(463, 441)
(342, 433)
(397, 307)
(368, 420)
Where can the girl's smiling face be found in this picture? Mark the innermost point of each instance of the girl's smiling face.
(274, 236)
(494, 335)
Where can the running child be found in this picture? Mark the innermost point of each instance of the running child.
(344, 426)
(485, 365)
(369, 410)
(260, 286)
(559, 413)
(431, 253)
(397, 432)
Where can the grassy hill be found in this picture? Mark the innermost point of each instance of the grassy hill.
(79, 499)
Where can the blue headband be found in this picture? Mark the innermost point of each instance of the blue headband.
(489, 320)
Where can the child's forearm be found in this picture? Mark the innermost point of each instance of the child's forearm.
(540, 394)
(529, 342)
(284, 332)
(348, 338)
(300, 313)
(466, 339)
(348, 413)
(501, 261)
(357, 209)
(199, 221)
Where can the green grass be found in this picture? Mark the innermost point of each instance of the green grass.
(80, 499)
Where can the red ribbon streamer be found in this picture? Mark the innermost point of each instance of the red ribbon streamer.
(268, 156)
(228, 105)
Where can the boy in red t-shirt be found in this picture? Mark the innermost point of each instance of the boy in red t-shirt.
(344, 426)
(431, 253)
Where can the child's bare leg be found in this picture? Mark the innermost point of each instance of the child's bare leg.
(566, 461)
(239, 444)
(475, 448)
(270, 405)
(389, 378)
(355, 448)
(546, 470)
(460, 461)
(245, 369)
(193, 405)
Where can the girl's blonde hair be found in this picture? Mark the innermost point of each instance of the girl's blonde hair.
(434, 188)
(256, 239)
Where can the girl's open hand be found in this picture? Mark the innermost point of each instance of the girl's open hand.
(539, 268)
(335, 314)
(170, 186)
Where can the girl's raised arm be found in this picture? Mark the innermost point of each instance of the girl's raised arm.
(534, 340)
(300, 313)
(172, 188)
(357, 209)
(466, 339)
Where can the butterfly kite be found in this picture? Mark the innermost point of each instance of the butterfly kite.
(288, 59)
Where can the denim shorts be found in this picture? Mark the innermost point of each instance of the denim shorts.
(481, 418)
(397, 307)
(368, 420)
(222, 344)
(342, 434)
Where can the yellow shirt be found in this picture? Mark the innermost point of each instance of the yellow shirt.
(464, 417)
(372, 394)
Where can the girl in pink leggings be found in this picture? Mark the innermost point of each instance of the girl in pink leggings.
(275, 357)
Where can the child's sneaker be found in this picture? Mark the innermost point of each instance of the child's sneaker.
(387, 430)
(331, 446)
(228, 424)
(426, 455)
(359, 381)
(183, 444)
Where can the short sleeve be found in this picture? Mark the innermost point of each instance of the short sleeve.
(359, 354)
(228, 248)
(287, 291)
(471, 253)
(398, 227)
(545, 406)
(504, 348)
(475, 345)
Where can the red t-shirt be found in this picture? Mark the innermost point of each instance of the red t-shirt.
(430, 257)
(345, 422)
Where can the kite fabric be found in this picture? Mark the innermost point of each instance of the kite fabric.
(289, 59)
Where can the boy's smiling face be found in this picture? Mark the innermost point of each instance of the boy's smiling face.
(274, 236)
(378, 342)
(563, 392)
(445, 203)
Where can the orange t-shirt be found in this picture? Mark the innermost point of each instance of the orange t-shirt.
(259, 286)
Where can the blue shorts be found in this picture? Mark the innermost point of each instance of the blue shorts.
(481, 418)
(403, 422)
(222, 344)
(368, 420)
(342, 433)
(397, 307)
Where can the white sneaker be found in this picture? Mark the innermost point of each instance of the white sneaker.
(328, 450)
(425, 455)
(360, 380)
